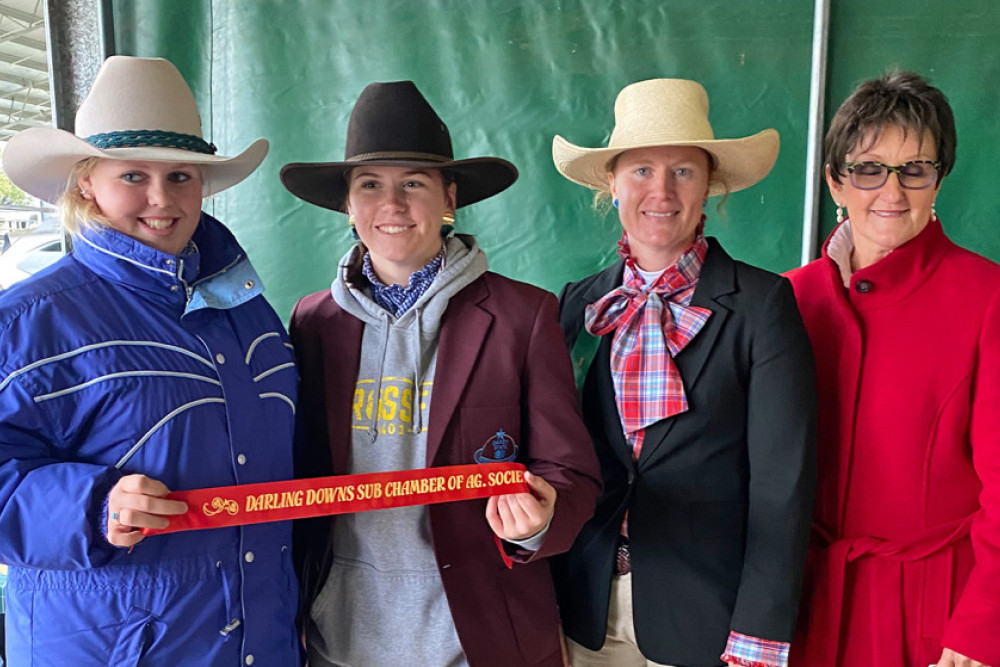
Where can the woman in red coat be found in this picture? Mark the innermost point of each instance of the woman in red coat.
(904, 566)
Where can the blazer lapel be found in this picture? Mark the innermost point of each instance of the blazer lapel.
(598, 382)
(463, 331)
(342, 347)
(718, 278)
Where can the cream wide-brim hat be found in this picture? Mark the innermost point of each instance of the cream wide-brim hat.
(137, 109)
(669, 112)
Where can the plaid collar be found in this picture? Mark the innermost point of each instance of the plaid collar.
(398, 299)
(651, 325)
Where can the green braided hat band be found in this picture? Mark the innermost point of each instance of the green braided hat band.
(160, 138)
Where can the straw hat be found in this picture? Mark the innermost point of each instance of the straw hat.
(137, 109)
(669, 112)
(393, 125)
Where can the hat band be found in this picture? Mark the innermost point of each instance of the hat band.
(398, 155)
(159, 138)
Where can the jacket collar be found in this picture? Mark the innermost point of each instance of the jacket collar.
(898, 274)
(212, 272)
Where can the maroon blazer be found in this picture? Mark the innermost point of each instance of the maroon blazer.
(502, 363)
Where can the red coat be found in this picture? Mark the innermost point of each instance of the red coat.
(906, 551)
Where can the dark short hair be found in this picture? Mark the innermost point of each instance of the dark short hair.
(899, 98)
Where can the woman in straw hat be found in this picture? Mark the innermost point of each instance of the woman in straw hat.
(699, 399)
(144, 361)
(904, 564)
(421, 357)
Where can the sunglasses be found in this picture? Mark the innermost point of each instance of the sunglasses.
(914, 175)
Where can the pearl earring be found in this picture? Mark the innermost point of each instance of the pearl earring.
(840, 213)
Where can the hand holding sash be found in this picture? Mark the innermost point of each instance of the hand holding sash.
(518, 516)
(138, 502)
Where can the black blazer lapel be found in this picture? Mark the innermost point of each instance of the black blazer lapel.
(575, 298)
(718, 278)
(597, 392)
(599, 396)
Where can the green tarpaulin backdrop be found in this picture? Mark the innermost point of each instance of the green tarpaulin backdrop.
(506, 75)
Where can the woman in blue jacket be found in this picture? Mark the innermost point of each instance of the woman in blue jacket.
(144, 361)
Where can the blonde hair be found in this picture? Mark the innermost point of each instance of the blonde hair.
(75, 210)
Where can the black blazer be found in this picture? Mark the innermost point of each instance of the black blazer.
(720, 500)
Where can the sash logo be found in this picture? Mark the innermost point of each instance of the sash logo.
(220, 504)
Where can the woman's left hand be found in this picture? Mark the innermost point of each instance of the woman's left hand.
(950, 658)
(518, 516)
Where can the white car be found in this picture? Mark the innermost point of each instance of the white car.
(29, 254)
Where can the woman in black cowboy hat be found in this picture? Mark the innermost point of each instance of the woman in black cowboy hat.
(420, 357)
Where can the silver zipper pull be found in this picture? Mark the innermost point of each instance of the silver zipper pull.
(232, 625)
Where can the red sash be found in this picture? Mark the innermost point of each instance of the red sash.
(320, 496)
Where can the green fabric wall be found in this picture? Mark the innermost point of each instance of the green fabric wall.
(506, 75)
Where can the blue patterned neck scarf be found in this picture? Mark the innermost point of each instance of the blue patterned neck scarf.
(396, 298)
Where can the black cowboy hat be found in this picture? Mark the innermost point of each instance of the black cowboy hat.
(392, 125)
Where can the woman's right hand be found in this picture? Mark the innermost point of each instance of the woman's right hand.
(136, 502)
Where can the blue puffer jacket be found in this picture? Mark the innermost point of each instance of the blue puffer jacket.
(120, 359)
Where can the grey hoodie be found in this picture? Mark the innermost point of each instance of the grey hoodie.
(383, 602)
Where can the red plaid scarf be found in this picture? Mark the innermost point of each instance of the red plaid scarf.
(648, 385)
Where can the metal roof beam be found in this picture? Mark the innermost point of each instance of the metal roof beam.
(34, 44)
(10, 105)
(18, 15)
(26, 62)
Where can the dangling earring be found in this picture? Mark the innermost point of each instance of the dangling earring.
(614, 202)
(933, 211)
(447, 224)
(840, 213)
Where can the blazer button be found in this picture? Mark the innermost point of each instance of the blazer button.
(864, 286)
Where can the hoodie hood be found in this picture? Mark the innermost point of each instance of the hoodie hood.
(463, 263)
(405, 347)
